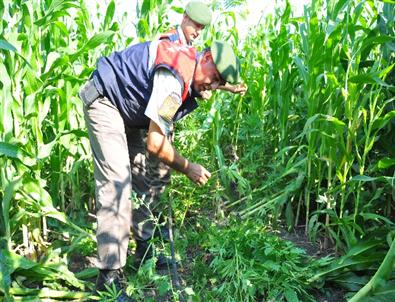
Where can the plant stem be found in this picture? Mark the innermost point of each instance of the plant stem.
(383, 273)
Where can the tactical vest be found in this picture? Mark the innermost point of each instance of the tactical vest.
(180, 60)
(126, 79)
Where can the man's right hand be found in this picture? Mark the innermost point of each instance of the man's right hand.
(197, 173)
(159, 146)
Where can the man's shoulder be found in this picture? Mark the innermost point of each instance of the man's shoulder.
(174, 47)
(179, 57)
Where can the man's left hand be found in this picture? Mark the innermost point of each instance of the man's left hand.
(239, 88)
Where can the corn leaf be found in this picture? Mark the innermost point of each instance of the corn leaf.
(6, 45)
(13, 151)
(386, 163)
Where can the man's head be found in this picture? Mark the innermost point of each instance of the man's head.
(197, 15)
(216, 65)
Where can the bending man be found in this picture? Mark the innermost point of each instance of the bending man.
(146, 86)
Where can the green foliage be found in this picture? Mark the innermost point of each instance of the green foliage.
(153, 18)
(248, 263)
(111, 294)
(45, 54)
(313, 132)
(311, 143)
(378, 289)
(48, 271)
(319, 101)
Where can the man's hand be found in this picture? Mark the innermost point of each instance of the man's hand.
(197, 173)
(161, 147)
(239, 88)
(206, 94)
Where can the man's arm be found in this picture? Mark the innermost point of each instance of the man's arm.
(162, 106)
(239, 88)
(161, 147)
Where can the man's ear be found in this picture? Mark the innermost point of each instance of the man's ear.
(185, 18)
(207, 56)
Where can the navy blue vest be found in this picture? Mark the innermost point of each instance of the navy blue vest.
(125, 79)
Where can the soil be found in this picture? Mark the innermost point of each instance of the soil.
(330, 293)
(79, 262)
(299, 238)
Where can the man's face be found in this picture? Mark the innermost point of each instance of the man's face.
(206, 75)
(191, 29)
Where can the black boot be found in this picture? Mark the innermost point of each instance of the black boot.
(162, 233)
(163, 263)
(144, 252)
(111, 278)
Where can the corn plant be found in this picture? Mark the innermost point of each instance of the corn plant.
(153, 18)
(322, 104)
(311, 143)
(44, 57)
(321, 100)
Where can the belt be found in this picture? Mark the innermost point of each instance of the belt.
(88, 93)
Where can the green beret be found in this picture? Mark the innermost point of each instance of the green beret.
(226, 61)
(198, 12)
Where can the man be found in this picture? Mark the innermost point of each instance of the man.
(151, 184)
(146, 86)
(197, 15)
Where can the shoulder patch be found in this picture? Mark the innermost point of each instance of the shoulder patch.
(169, 107)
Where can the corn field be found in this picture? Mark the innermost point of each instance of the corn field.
(308, 150)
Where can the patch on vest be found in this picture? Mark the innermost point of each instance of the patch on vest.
(169, 107)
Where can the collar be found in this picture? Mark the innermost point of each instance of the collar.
(182, 36)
